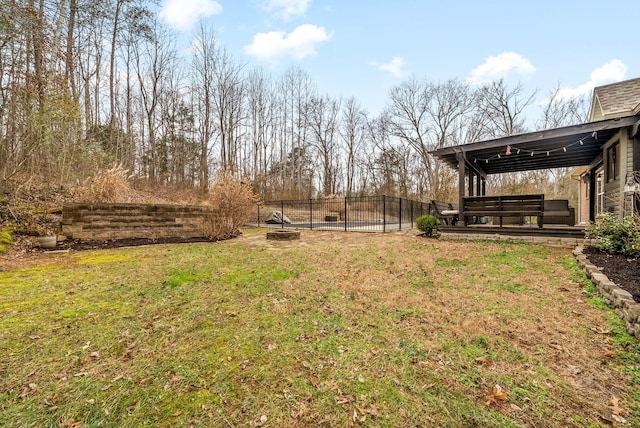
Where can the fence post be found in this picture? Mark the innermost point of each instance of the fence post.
(400, 215)
(345, 213)
(384, 213)
(258, 215)
(310, 213)
(411, 215)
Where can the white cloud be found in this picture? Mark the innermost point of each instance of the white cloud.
(287, 8)
(276, 45)
(613, 71)
(183, 14)
(395, 67)
(499, 67)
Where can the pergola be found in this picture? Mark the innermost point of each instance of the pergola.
(569, 146)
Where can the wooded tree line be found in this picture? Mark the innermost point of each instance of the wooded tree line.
(89, 83)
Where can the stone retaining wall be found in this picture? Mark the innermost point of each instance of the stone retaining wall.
(620, 299)
(131, 221)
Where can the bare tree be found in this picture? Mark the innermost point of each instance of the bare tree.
(204, 58)
(260, 123)
(557, 112)
(451, 104)
(502, 114)
(426, 117)
(295, 90)
(228, 96)
(408, 120)
(353, 132)
(153, 60)
(322, 120)
(503, 108)
(561, 111)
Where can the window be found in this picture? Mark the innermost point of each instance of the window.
(599, 191)
(613, 155)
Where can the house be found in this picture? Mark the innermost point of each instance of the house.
(611, 182)
(605, 152)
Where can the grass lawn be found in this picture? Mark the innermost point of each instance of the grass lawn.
(337, 329)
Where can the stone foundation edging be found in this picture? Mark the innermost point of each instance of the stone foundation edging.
(621, 300)
(544, 240)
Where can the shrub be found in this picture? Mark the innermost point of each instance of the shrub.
(615, 236)
(234, 202)
(107, 186)
(428, 224)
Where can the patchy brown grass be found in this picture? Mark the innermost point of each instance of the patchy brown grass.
(335, 329)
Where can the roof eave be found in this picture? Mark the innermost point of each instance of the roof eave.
(542, 135)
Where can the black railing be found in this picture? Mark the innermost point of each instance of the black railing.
(361, 213)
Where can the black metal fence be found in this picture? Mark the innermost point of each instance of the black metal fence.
(361, 213)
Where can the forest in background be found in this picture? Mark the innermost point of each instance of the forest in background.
(89, 84)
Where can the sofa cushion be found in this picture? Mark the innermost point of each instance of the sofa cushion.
(556, 208)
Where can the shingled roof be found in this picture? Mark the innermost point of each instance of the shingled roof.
(616, 100)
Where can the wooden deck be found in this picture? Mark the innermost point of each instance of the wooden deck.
(548, 234)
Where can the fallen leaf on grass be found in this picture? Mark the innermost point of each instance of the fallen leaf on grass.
(343, 399)
(262, 421)
(556, 346)
(599, 330)
(372, 410)
(484, 361)
(176, 414)
(615, 408)
(299, 413)
(495, 395)
(314, 380)
(609, 352)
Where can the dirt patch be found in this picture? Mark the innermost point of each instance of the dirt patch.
(622, 270)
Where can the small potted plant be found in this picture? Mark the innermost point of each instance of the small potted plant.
(45, 231)
(46, 238)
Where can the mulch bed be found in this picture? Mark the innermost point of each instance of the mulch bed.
(79, 245)
(622, 270)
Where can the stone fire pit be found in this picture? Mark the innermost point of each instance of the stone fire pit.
(283, 235)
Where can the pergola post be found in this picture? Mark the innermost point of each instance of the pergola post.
(462, 171)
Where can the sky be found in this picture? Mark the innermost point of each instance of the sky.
(364, 48)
